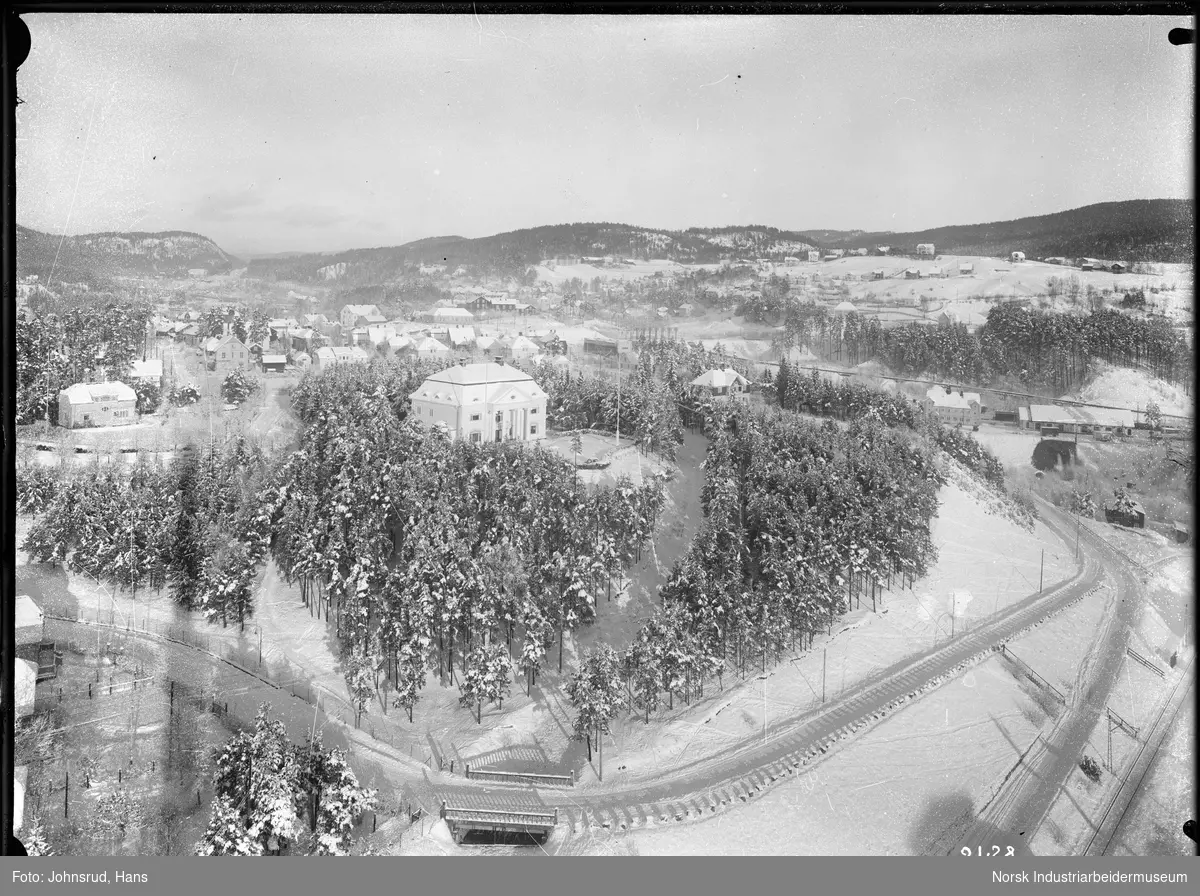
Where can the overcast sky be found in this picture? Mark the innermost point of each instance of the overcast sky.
(278, 133)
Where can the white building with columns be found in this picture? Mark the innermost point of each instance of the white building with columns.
(483, 402)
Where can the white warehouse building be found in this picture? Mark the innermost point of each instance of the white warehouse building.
(483, 402)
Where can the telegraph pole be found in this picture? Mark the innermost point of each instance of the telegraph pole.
(824, 659)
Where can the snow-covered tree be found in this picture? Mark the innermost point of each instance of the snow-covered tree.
(237, 387)
(487, 677)
(597, 693)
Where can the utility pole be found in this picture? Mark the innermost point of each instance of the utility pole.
(824, 660)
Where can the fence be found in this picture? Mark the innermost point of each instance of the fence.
(1033, 676)
(520, 778)
(289, 677)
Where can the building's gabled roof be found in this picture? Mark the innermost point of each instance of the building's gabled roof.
(485, 342)
(301, 333)
(274, 359)
(429, 344)
(720, 379)
(399, 341)
(844, 308)
(361, 310)
(28, 613)
(152, 368)
(1049, 413)
(954, 399)
(96, 393)
(484, 383)
(380, 334)
(337, 353)
(211, 343)
(523, 345)
(453, 313)
(460, 335)
(227, 339)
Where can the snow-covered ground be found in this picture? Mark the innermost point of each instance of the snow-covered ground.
(890, 791)
(1133, 389)
(1168, 793)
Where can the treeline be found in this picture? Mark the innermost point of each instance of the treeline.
(1042, 348)
(812, 393)
(195, 526)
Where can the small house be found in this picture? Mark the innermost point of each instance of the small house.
(1017, 257)
(274, 363)
(1118, 268)
(912, 274)
(1180, 533)
(148, 371)
(229, 354)
(882, 250)
(523, 348)
(966, 267)
(430, 348)
(723, 384)
(814, 255)
(329, 356)
(844, 308)
(953, 406)
(926, 250)
(358, 315)
(96, 404)
(1134, 517)
(877, 274)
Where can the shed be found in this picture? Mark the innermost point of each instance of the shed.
(274, 363)
(1180, 533)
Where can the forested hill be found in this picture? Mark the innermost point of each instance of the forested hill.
(513, 252)
(86, 257)
(1160, 230)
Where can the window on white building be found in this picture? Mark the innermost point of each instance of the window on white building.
(534, 411)
(476, 437)
(474, 417)
(533, 429)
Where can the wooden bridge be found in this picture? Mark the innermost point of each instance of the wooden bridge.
(462, 821)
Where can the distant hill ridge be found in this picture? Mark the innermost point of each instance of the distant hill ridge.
(1159, 230)
(1134, 230)
(86, 257)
